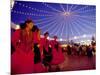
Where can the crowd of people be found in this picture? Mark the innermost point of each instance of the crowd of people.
(84, 50)
(32, 54)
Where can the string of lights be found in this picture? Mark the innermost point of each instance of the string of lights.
(67, 21)
(35, 9)
(32, 14)
(51, 7)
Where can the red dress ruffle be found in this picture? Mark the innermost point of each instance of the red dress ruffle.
(22, 60)
(58, 56)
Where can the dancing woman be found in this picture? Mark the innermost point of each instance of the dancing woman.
(22, 58)
(58, 57)
(39, 67)
(47, 51)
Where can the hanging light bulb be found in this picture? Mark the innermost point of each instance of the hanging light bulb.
(66, 13)
(60, 39)
(75, 37)
(84, 35)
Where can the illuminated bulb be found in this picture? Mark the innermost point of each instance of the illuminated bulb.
(84, 35)
(22, 12)
(75, 37)
(82, 41)
(19, 3)
(88, 40)
(29, 7)
(61, 39)
(23, 5)
(66, 13)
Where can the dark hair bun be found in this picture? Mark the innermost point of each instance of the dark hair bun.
(46, 33)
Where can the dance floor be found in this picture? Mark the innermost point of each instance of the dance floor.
(74, 62)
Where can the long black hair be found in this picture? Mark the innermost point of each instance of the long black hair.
(23, 25)
(46, 33)
(35, 28)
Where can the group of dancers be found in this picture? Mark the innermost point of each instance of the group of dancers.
(33, 54)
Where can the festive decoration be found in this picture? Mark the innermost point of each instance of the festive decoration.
(67, 21)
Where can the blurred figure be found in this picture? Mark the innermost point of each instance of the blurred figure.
(38, 66)
(58, 56)
(47, 51)
(89, 51)
(69, 51)
(83, 50)
(36, 37)
(27, 55)
(22, 58)
(79, 52)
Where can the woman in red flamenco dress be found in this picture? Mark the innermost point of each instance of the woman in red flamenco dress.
(38, 65)
(46, 50)
(22, 60)
(58, 56)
